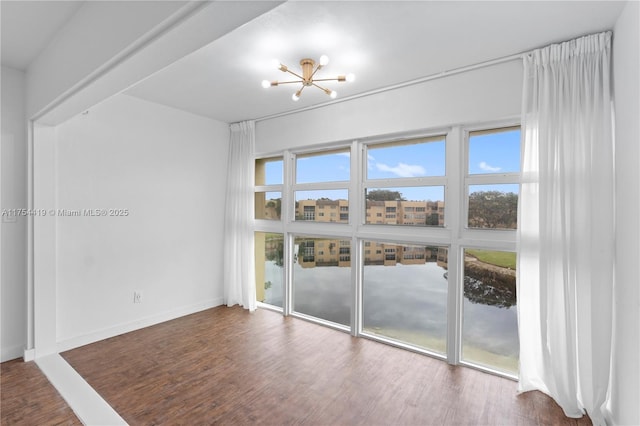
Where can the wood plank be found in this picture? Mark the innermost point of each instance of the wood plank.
(27, 397)
(88, 406)
(229, 366)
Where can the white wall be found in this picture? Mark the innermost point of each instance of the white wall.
(14, 234)
(625, 392)
(484, 94)
(168, 168)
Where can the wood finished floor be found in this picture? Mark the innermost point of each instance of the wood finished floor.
(27, 397)
(228, 366)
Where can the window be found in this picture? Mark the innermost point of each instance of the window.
(308, 212)
(490, 322)
(423, 254)
(406, 159)
(493, 176)
(269, 252)
(269, 171)
(405, 299)
(268, 193)
(268, 205)
(321, 286)
(413, 173)
(493, 206)
(322, 181)
(327, 166)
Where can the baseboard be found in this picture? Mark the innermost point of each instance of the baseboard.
(85, 402)
(11, 352)
(29, 355)
(85, 339)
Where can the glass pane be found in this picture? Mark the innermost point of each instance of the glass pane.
(415, 158)
(323, 206)
(416, 206)
(269, 249)
(495, 151)
(268, 205)
(322, 278)
(405, 293)
(493, 206)
(269, 171)
(326, 167)
(490, 322)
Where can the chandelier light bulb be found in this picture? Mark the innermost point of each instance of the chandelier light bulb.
(333, 94)
(266, 84)
(350, 78)
(295, 96)
(324, 60)
(275, 63)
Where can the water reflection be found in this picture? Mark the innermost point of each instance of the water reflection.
(485, 293)
(490, 328)
(407, 303)
(323, 292)
(404, 295)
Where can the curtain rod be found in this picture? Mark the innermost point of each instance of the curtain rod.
(446, 73)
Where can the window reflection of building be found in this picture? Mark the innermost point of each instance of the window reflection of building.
(313, 253)
(443, 257)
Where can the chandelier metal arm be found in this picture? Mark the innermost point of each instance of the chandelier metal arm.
(324, 89)
(297, 75)
(315, 71)
(277, 83)
(339, 78)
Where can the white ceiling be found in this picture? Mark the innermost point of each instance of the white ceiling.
(382, 42)
(28, 26)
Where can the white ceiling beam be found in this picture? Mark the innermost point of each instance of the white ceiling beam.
(99, 68)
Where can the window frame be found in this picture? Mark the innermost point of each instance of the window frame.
(270, 188)
(318, 186)
(400, 182)
(485, 178)
(454, 235)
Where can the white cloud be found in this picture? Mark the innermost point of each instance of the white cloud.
(402, 170)
(370, 161)
(487, 168)
(344, 154)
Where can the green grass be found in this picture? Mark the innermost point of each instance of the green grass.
(504, 259)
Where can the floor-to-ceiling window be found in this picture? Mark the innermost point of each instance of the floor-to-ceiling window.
(408, 240)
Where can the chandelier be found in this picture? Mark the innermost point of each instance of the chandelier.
(309, 70)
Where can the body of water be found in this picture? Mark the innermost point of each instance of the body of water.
(407, 303)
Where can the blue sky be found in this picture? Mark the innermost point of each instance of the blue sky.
(495, 152)
(488, 153)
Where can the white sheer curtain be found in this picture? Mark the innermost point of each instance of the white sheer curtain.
(566, 228)
(239, 263)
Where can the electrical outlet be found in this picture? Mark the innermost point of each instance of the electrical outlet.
(137, 297)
